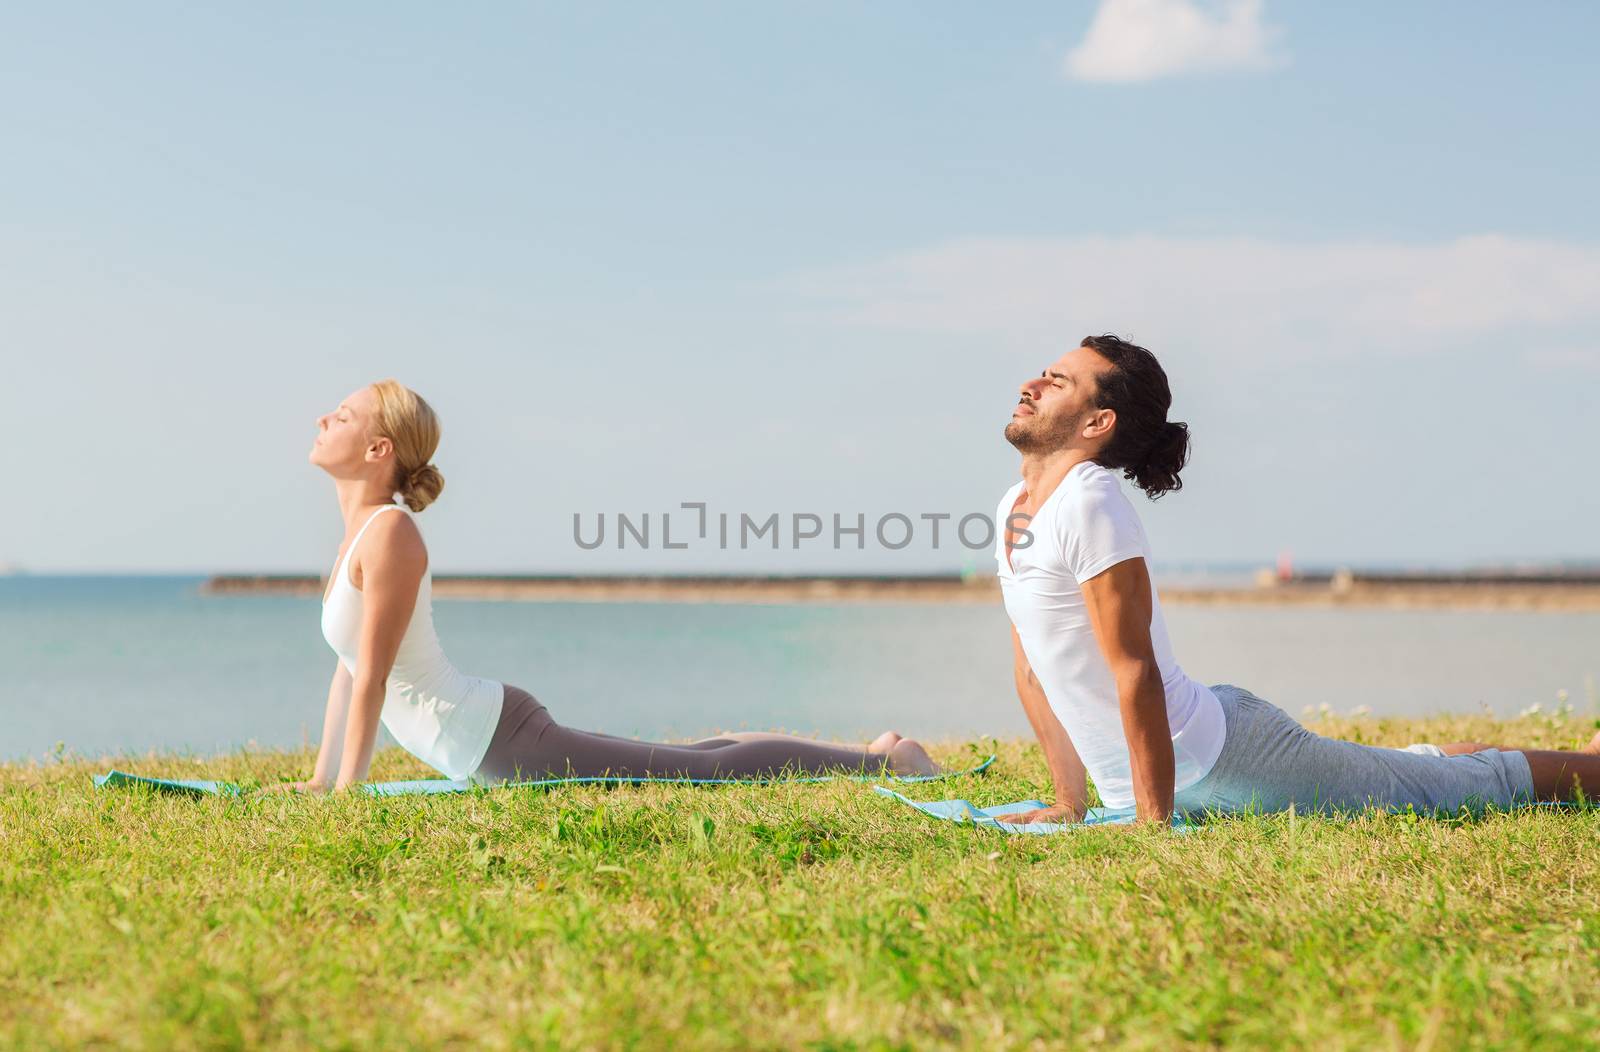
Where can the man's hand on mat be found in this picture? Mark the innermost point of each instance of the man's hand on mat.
(296, 787)
(1055, 813)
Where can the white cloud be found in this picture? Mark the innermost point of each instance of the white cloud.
(1132, 40)
(1270, 297)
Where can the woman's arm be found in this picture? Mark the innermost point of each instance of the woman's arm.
(333, 724)
(392, 564)
(1066, 769)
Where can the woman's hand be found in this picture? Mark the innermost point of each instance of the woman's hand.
(309, 786)
(1055, 813)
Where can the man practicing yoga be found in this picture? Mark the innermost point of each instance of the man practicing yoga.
(1095, 669)
(377, 615)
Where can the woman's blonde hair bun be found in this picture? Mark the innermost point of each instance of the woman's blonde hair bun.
(406, 420)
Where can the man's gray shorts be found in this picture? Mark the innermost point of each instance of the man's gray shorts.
(1269, 761)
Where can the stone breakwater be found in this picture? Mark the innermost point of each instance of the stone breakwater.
(1346, 590)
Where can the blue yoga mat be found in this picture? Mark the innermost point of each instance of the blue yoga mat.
(995, 817)
(430, 786)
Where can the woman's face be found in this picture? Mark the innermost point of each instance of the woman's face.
(343, 437)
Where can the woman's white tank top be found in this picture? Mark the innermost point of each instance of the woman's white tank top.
(435, 712)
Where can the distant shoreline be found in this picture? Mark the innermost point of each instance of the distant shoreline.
(1395, 591)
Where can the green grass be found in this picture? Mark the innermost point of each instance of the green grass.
(789, 916)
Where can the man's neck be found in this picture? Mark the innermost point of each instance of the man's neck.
(1043, 472)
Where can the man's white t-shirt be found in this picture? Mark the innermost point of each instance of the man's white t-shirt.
(1086, 526)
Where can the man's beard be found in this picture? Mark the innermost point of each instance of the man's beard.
(1037, 434)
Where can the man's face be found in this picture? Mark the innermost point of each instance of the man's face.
(1055, 403)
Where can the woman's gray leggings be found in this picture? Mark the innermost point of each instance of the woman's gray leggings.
(529, 744)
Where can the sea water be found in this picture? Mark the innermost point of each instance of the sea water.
(134, 663)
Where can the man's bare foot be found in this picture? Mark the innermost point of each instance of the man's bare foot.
(909, 757)
(883, 742)
(1593, 748)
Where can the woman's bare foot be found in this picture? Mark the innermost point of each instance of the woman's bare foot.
(1450, 748)
(1460, 748)
(1593, 748)
(883, 742)
(909, 757)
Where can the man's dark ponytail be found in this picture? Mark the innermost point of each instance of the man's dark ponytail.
(1149, 448)
(1158, 473)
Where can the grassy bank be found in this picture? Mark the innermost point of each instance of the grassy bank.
(820, 916)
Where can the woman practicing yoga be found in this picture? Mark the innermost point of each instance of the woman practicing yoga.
(377, 616)
(1094, 667)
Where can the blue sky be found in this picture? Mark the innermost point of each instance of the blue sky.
(796, 258)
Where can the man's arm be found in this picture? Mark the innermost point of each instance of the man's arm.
(1118, 601)
(1066, 769)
